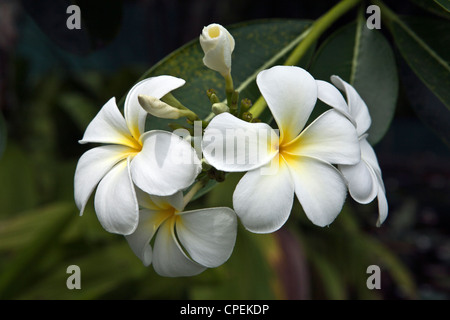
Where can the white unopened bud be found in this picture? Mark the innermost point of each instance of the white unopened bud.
(217, 44)
(158, 108)
(219, 108)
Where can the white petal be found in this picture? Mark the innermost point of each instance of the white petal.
(139, 240)
(152, 202)
(208, 235)
(357, 107)
(219, 59)
(109, 126)
(331, 138)
(362, 183)
(262, 201)
(196, 142)
(168, 257)
(156, 87)
(328, 94)
(91, 168)
(368, 154)
(319, 187)
(115, 201)
(165, 165)
(290, 93)
(382, 206)
(234, 145)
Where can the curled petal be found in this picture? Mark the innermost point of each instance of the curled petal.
(233, 145)
(168, 257)
(328, 94)
(165, 165)
(319, 187)
(357, 107)
(382, 206)
(331, 138)
(92, 167)
(156, 87)
(109, 126)
(368, 154)
(290, 93)
(263, 197)
(115, 201)
(362, 181)
(208, 235)
(363, 178)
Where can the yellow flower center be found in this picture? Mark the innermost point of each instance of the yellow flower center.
(135, 147)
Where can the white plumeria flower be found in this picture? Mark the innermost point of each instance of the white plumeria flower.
(156, 161)
(208, 236)
(365, 181)
(217, 44)
(304, 158)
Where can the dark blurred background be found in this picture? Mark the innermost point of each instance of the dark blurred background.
(54, 80)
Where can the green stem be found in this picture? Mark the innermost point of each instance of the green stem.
(172, 101)
(229, 87)
(360, 19)
(191, 193)
(192, 116)
(316, 30)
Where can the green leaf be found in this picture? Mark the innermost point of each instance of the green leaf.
(14, 273)
(19, 190)
(371, 250)
(81, 109)
(400, 274)
(434, 7)
(97, 278)
(421, 43)
(246, 275)
(445, 4)
(364, 58)
(425, 104)
(332, 281)
(258, 46)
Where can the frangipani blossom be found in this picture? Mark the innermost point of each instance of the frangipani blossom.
(263, 198)
(365, 181)
(186, 243)
(156, 161)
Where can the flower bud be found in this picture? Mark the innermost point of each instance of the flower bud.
(247, 116)
(219, 108)
(158, 108)
(217, 44)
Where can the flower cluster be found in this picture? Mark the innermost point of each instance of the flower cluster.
(145, 179)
